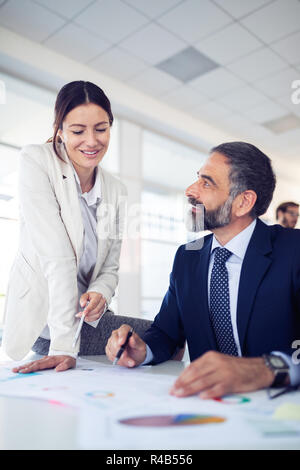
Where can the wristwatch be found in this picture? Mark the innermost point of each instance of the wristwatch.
(279, 367)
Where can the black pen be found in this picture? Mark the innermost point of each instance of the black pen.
(290, 388)
(123, 347)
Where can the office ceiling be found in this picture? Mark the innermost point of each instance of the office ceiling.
(229, 63)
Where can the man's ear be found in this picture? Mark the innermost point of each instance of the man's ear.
(245, 202)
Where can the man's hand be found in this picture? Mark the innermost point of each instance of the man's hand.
(94, 309)
(135, 351)
(214, 375)
(60, 363)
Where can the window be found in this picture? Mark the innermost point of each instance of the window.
(8, 216)
(168, 169)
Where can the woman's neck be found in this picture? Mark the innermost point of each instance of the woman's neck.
(86, 177)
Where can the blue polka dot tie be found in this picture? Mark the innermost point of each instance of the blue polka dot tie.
(220, 303)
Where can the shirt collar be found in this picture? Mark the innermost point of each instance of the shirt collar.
(94, 195)
(238, 244)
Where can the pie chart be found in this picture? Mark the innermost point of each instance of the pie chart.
(172, 420)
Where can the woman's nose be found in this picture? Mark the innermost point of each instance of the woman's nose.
(91, 139)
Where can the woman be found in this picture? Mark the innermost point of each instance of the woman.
(70, 222)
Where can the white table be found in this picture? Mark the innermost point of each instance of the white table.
(35, 424)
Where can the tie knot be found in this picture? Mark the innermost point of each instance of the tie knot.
(222, 255)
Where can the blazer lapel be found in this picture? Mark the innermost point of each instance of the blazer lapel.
(70, 206)
(202, 295)
(254, 268)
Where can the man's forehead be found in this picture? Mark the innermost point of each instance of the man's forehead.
(216, 166)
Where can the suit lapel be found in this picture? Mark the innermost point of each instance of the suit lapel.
(202, 294)
(254, 268)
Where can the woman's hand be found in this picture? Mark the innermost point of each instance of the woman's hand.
(60, 363)
(94, 305)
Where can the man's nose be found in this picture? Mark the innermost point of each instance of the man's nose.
(190, 191)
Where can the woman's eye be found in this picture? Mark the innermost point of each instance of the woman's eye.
(77, 132)
(100, 130)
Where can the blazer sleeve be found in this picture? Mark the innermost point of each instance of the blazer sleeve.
(40, 213)
(107, 279)
(166, 334)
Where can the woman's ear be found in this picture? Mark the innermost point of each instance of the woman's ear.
(59, 135)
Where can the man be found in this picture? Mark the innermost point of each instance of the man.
(236, 300)
(287, 214)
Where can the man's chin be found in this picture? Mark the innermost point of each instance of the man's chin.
(194, 221)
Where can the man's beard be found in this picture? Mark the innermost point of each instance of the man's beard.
(203, 219)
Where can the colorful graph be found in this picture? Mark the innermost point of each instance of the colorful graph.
(172, 420)
(18, 376)
(233, 399)
(100, 394)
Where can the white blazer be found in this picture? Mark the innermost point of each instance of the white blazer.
(42, 287)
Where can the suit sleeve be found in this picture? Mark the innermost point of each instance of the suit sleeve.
(166, 334)
(40, 212)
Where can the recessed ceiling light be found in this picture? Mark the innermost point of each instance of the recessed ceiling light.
(187, 65)
(283, 124)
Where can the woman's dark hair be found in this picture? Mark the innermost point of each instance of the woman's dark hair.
(249, 169)
(74, 94)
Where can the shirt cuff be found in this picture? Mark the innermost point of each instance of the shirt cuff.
(149, 356)
(294, 371)
(61, 353)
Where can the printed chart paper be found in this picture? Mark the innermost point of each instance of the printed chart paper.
(121, 408)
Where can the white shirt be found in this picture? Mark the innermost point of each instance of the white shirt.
(88, 204)
(238, 247)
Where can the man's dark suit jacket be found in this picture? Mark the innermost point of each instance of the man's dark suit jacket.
(268, 307)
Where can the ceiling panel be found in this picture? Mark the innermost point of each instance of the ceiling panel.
(257, 65)
(239, 8)
(184, 98)
(230, 43)
(216, 83)
(275, 20)
(154, 82)
(75, 42)
(245, 96)
(198, 25)
(278, 84)
(31, 20)
(66, 8)
(265, 111)
(98, 18)
(152, 8)
(289, 48)
(153, 44)
(288, 103)
(211, 109)
(118, 63)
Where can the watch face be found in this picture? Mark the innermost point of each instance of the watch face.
(277, 362)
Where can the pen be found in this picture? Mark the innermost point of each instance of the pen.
(123, 347)
(288, 389)
(81, 323)
(78, 331)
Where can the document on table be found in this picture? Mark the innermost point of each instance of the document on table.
(91, 382)
(121, 408)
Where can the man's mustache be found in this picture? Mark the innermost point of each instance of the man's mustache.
(193, 201)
